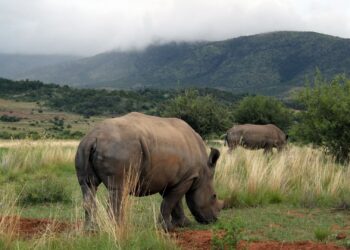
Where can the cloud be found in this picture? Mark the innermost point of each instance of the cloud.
(91, 26)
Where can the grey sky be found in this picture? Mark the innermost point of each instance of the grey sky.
(88, 27)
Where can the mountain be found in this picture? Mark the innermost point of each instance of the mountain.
(13, 65)
(269, 63)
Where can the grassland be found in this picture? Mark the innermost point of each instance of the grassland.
(290, 196)
(38, 121)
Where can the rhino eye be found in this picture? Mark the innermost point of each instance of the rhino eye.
(214, 196)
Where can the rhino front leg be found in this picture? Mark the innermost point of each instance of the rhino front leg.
(171, 198)
(178, 216)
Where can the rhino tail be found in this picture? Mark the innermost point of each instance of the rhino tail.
(84, 161)
(145, 156)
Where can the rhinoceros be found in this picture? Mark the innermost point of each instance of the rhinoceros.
(169, 157)
(256, 137)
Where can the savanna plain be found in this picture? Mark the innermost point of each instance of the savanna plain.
(298, 195)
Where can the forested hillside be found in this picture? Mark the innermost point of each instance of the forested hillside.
(271, 63)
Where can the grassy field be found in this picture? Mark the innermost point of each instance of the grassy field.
(38, 121)
(300, 194)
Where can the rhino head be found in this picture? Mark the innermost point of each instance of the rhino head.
(201, 199)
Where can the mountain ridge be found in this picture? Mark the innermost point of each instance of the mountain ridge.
(269, 63)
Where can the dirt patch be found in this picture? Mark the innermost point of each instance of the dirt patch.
(295, 214)
(274, 245)
(29, 227)
(202, 239)
(194, 239)
(336, 227)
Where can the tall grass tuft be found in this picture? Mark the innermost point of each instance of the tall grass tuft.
(29, 155)
(7, 227)
(300, 175)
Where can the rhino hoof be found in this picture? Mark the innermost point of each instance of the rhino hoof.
(183, 222)
(90, 228)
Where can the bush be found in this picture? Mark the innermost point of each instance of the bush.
(9, 118)
(203, 113)
(325, 120)
(44, 190)
(263, 110)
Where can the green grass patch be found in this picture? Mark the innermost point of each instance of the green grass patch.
(322, 233)
(45, 189)
(143, 239)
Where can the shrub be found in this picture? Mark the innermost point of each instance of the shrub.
(203, 113)
(263, 110)
(325, 120)
(9, 118)
(46, 189)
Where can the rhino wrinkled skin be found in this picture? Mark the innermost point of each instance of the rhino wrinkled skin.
(256, 137)
(167, 155)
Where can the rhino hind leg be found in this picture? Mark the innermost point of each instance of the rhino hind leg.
(89, 188)
(178, 216)
(115, 197)
(115, 187)
(171, 198)
(268, 149)
(231, 146)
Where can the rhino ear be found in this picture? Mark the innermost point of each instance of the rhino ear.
(213, 157)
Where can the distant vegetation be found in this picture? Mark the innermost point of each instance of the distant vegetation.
(325, 120)
(263, 110)
(205, 114)
(9, 118)
(90, 102)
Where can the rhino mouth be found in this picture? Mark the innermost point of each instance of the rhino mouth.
(204, 219)
(199, 214)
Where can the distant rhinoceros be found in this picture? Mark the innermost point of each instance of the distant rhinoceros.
(169, 157)
(256, 137)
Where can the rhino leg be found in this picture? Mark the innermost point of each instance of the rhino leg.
(178, 216)
(115, 196)
(231, 147)
(89, 188)
(268, 149)
(115, 193)
(171, 198)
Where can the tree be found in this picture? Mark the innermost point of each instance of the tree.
(203, 113)
(325, 120)
(263, 110)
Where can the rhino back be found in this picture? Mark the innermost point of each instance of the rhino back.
(257, 135)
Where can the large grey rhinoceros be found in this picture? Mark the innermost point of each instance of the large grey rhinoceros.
(256, 137)
(169, 157)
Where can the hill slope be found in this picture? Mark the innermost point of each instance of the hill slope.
(270, 63)
(12, 65)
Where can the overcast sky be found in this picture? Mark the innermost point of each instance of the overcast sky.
(87, 27)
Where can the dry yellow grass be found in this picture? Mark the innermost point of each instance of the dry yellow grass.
(27, 154)
(298, 172)
(302, 172)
